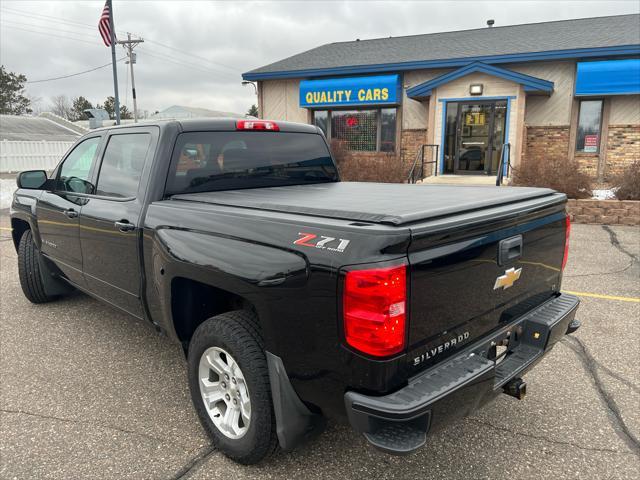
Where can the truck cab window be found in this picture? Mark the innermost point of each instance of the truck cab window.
(74, 173)
(211, 161)
(122, 165)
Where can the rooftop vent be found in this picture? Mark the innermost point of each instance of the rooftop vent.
(490, 22)
(96, 116)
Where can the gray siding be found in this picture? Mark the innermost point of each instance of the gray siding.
(555, 109)
(625, 110)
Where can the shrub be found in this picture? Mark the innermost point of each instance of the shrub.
(626, 184)
(558, 173)
(367, 167)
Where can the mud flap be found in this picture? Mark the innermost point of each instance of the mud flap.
(295, 423)
(52, 284)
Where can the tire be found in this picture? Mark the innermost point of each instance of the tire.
(29, 271)
(234, 334)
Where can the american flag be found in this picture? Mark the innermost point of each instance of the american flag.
(104, 25)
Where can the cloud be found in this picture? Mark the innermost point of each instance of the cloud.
(214, 42)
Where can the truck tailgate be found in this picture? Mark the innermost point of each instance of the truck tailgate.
(458, 285)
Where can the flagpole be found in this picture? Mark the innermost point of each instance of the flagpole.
(113, 63)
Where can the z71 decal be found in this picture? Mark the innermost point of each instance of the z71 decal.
(320, 241)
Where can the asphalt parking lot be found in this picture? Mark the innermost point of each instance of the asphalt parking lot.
(89, 393)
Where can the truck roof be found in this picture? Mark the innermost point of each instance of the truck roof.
(384, 203)
(212, 124)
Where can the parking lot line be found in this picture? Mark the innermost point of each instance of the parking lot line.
(605, 297)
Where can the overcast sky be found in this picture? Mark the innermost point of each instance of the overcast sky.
(212, 43)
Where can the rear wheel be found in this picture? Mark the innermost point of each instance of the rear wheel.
(229, 383)
(29, 271)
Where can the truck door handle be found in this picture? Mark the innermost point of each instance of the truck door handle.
(70, 213)
(125, 226)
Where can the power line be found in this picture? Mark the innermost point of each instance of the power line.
(183, 63)
(235, 70)
(11, 22)
(51, 35)
(202, 67)
(16, 11)
(43, 17)
(93, 27)
(75, 74)
(177, 62)
(167, 58)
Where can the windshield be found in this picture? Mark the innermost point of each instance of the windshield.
(210, 161)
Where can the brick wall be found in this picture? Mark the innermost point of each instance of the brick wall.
(410, 142)
(623, 147)
(543, 142)
(606, 212)
(588, 163)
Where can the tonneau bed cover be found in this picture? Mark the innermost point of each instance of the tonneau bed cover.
(386, 203)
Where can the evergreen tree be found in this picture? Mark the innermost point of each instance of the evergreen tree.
(80, 104)
(12, 96)
(253, 111)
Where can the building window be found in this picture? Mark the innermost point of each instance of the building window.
(370, 130)
(356, 129)
(388, 130)
(589, 123)
(321, 120)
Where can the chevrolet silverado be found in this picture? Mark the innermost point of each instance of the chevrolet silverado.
(297, 297)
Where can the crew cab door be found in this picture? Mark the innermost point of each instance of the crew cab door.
(58, 210)
(110, 221)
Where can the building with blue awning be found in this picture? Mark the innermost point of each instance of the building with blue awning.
(465, 102)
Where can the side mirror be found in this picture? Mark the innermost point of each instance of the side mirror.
(32, 179)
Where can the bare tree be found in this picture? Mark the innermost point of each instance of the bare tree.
(61, 106)
(36, 104)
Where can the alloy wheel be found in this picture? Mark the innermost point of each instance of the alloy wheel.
(224, 392)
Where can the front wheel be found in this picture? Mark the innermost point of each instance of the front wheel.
(229, 383)
(29, 271)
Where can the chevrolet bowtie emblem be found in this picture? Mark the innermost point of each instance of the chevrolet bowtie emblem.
(508, 279)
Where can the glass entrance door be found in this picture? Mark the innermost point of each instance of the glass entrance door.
(475, 133)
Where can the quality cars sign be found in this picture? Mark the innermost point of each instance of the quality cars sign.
(373, 90)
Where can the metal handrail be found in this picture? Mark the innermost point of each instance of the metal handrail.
(417, 168)
(506, 147)
(419, 156)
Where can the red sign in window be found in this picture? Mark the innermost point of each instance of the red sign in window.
(591, 143)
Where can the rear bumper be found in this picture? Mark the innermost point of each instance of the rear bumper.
(399, 422)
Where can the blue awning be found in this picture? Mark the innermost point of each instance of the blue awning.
(608, 77)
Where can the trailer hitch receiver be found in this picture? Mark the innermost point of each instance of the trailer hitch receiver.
(516, 388)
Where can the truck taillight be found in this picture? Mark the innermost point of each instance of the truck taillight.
(567, 231)
(257, 125)
(374, 310)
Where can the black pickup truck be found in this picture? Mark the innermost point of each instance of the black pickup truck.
(295, 296)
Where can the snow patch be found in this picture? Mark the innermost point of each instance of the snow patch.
(7, 187)
(608, 194)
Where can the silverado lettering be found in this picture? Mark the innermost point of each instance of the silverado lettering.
(432, 352)
(221, 234)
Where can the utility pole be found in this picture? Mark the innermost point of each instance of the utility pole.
(113, 62)
(129, 45)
